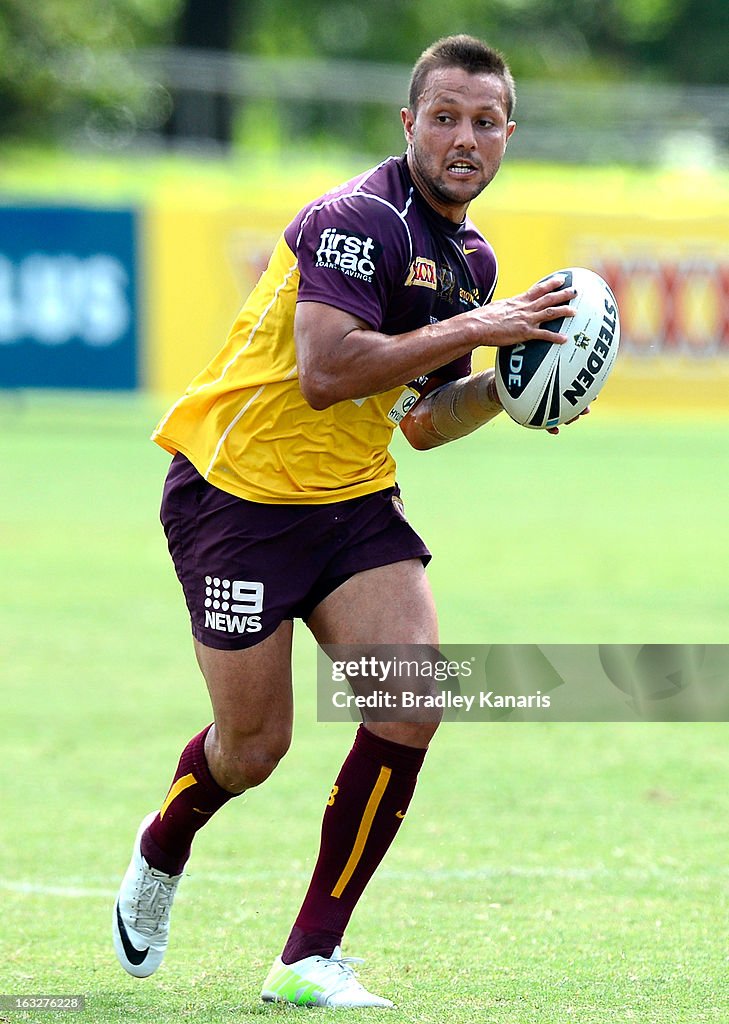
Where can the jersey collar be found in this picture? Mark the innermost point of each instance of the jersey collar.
(441, 223)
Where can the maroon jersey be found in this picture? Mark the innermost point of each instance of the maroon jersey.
(375, 248)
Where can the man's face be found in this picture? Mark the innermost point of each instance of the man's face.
(457, 137)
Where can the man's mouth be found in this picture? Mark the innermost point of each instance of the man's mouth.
(462, 167)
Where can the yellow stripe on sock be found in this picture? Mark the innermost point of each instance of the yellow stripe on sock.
(363, 831)
(177, 787)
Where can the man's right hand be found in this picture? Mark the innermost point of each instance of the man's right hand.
(508, 321)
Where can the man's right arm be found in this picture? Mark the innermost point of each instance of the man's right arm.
(339, 357)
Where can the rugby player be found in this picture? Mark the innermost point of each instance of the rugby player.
(281, 500)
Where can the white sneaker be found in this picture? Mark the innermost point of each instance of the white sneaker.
(141, 921)
(318, 981)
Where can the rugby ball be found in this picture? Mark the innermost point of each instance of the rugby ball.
(541, 384)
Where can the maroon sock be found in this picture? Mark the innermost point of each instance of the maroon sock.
(363, 813)
(193, 798)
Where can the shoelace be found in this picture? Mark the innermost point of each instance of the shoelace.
(151, 906)
(347, 975)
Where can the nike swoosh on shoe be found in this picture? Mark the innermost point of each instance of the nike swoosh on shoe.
(134, 955)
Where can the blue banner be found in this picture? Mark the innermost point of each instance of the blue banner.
(68, 298)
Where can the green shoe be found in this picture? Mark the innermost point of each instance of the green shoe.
(318, 981)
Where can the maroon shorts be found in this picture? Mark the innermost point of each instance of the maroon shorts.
(245, 566)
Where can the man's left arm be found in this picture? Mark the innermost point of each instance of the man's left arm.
(452, 410)
(456, 409)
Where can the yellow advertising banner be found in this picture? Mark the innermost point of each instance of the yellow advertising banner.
(201, 263)
(667, 262)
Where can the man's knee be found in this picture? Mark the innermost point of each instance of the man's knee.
(410, 734)
(243, 759)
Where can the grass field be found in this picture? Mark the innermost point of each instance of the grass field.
(547, 873)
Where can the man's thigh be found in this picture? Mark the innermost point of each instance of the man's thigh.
(392, 604)
(387, 613)
(250, 689)
(251, 694)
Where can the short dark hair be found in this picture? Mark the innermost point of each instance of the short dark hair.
(464, 52)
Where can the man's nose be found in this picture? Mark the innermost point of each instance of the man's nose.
(465, 135)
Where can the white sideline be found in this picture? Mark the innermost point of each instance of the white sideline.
(19, 886)
(675, 877)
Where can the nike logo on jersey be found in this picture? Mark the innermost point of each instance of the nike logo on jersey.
(467, 252)
(399, 814)
(134, 956)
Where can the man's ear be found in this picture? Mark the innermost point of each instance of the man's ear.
(408, 120)
(510, 129)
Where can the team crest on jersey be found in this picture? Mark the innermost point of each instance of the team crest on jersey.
(446, 283)
(398, 505)
(422, 273)
(349, 252)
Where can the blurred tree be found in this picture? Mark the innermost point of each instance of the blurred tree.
(562, 40)
(694, 45)
(64, 67)
(673, 40)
